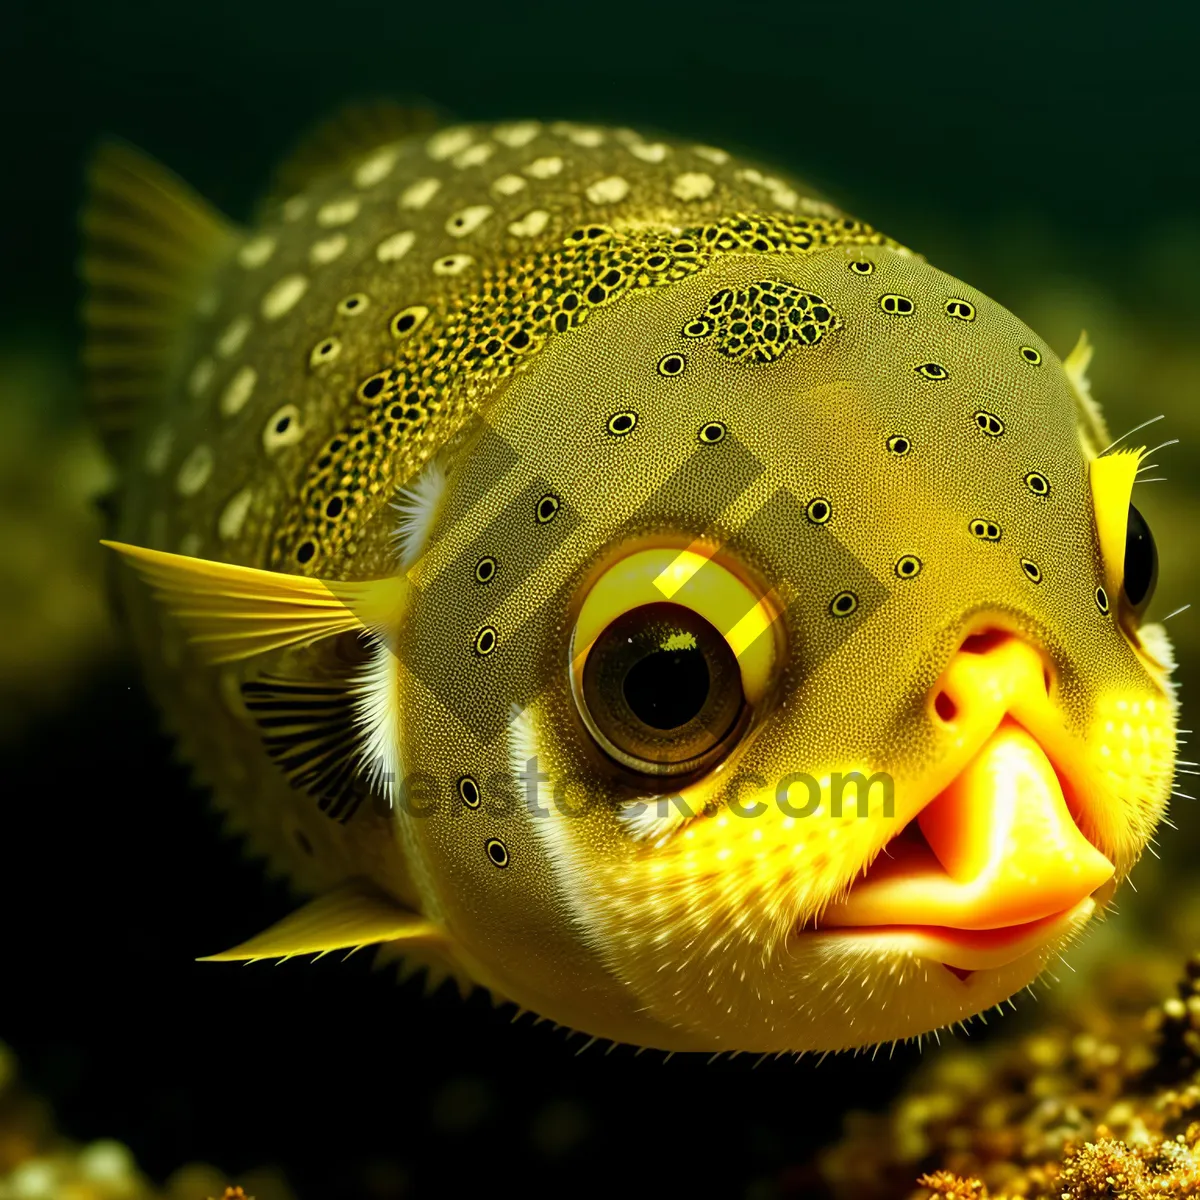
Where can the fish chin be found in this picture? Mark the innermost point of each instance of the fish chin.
(892, 987)
(899, 984)
(966, 951)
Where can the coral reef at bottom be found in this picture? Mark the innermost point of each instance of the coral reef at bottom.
(1100, 1103)
(39, 1163)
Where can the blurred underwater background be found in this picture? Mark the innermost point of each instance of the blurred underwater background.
(1045, 154)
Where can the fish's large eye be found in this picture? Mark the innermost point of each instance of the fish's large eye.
(662, 690)
(671, 653)
(1141, 562)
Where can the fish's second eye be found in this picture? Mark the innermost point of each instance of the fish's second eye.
(662, 690)
(1141, 562)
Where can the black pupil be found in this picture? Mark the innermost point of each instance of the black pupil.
(668, 688)
(1141, 559)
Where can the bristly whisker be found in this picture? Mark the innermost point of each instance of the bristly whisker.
(1174, 613)
(1130, 433)
(1160, 446)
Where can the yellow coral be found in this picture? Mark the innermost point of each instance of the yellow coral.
(1102, 1105)
(945, 1185)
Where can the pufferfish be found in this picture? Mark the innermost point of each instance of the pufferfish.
(598, 570)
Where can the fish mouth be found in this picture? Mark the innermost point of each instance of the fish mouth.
(990, 870)
(964, 952)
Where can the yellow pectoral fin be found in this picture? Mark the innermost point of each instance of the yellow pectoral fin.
(236, 612)
(347, 918)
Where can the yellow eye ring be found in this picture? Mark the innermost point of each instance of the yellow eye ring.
(672, 652)
(746, 618)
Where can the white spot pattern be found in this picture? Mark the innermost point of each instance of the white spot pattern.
(200, 377)
(324, 352)
(327, 249)
(338, 212)
(233, 515)
(375, 169)
(452, 264)
(611, 190)
(256, 251)
(474, 156)
(519, 134)
(419, 194)
(508, 185)
(467, 220)
(650, 152)
(544, 168)
(194, 471)
(395, 247)
(238, 390)
(448, 142)
(283, 428)
(693, 185)
(283, 296)
(531, 224)
(234, 337)
(158, 449)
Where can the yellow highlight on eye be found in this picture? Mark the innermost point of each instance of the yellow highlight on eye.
(694, 579)
(681, 569)
(1112, 478)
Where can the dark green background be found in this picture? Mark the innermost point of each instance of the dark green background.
(1009, 142)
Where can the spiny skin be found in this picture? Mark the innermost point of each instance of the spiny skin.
(554, 280)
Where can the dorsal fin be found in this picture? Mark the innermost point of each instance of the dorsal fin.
(348, 136)
(235, 612)
(1092, 425)
(151, 248)
(346, 918)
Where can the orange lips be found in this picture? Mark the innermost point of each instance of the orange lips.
(1002, 869)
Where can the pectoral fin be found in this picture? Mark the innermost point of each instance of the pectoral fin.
(235, 612)
(349, 917)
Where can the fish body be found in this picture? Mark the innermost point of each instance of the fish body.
(545, 524)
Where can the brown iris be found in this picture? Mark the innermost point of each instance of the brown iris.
(662, 690)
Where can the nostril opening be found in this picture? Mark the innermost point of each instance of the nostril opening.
(945, 707)
(1046, 679)
(981, 643)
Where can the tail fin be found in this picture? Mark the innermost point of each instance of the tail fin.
(151, 246)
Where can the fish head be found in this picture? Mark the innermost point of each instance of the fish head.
(777, 650)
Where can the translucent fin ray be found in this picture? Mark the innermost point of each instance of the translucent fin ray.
(309, 729)
(346, 918)
(151, 247)
(233, 612)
